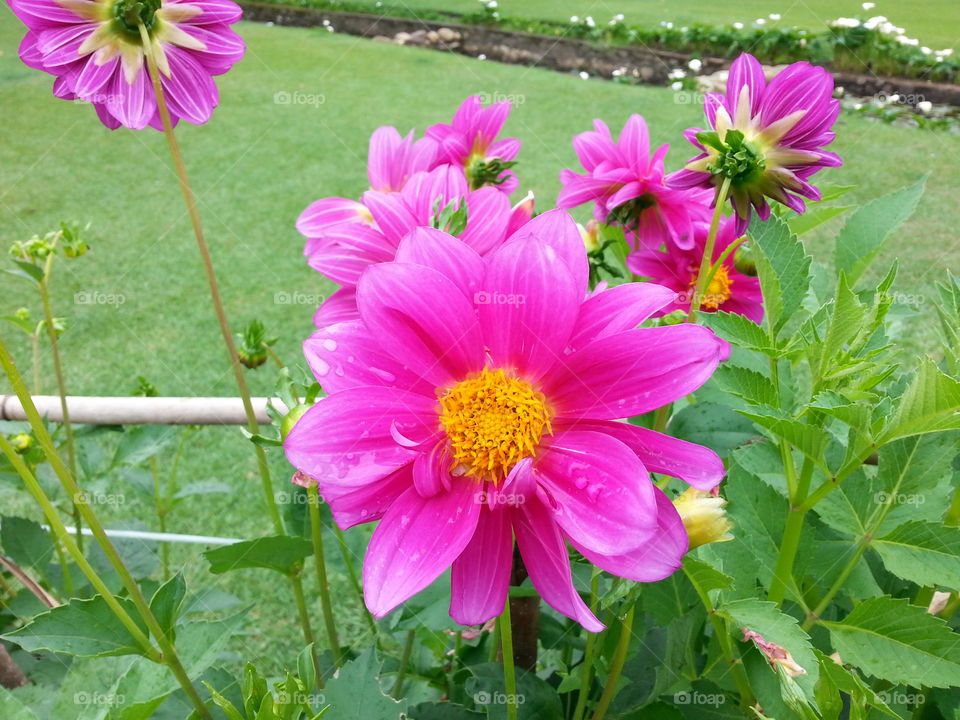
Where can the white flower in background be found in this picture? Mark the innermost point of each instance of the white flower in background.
(695, 64)
(869, 6)
(857, 106)
(845, 22)
(904, 40)
(481, 56)
(738, 26)
(666, 24)
(584, 75)
(775, 16)
(761, 21)
(619, 72)
(574, 18)
(590, 21)
(676, 74)
(676, 86)
(925, 50)
(618, 18)
(924, 106)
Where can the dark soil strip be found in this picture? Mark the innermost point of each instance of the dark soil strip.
(649, 65)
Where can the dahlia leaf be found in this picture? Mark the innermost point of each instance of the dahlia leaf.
(836, 679)
(809, 439)
(12, 709)
(746, 384)
(26, 543)
(167, 602)
(355, 692)
(716, 426)
(486, 687)
(865, 232)
(927, 554)
(931, 403)
(783, 268)
(845, 323)
(893, 640)
(816, 216)
(83, 628)
(740, 330)
(776, 627)
(282, 553)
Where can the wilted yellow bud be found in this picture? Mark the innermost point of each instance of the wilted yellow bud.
(21, 442)
(704, 517)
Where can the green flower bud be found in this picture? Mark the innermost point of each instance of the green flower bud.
(291, 418)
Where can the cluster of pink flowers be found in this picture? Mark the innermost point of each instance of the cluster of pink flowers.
(476, 384)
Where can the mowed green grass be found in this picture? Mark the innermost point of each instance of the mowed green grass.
(255, 166)
(935, 22)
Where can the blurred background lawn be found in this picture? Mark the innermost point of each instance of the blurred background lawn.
(257, 164)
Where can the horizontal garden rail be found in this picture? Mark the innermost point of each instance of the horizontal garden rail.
(91, 410)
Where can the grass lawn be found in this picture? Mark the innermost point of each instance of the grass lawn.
(255, 167)
(935, 22)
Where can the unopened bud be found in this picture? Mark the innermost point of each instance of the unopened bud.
(704, 517)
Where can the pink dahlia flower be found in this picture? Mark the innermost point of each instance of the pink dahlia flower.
(94, 49)
(767, 138)
(345, 237)
(626, 184)
(729, 290)
(476, 400)
(394, 158)
(470, 142)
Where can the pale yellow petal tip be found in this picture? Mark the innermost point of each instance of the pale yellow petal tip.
(704, 517)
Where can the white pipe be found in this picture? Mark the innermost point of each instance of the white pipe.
(142, 410)
(160, 537)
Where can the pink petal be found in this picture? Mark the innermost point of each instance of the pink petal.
(344, 251)
(431, 471)
(618, 308)
(320, 215)
(635, 142)
(488, 214)
(367, 503)
(597, 490)
(635, 371)
(347, 355)
(557, 229)
(191, 92)
(745, 72)
(132, 104)
(393, 215)
(548, 564)
(446, 254)
(341, 306)
(417, 539)
(655, 559)
(346, 439)
(696, 465)
(528, 307)
(480, 577)
(423, 318)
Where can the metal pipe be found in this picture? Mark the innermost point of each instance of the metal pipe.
(162, 537)
(142, 410)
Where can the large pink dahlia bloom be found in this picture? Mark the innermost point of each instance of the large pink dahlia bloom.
(345, 237)
(470, 143)
(729, 290)
(767, 138)
(626, 185)
(94, 48)
(476, 400)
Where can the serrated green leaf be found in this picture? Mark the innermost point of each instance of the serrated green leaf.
(716, 426)
(739, 330)
(142, 442)
(84, 628)
(783, 268)
(26, 543)
(763, 617)
(807, 438)
(704, 576)
(749, 385)
(540, 700)
(895, 641)
(931, 403)
(33, 272)
(167, 602)
(836, 679)
(925, 553)
(282, 553)
(846, 322)
(12, 709)
(865, 232)
(356, 692)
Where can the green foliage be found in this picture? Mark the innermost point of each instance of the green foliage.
(783, 267)
(283, 553)
(893, 640)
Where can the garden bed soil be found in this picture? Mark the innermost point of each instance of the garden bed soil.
(648, 65)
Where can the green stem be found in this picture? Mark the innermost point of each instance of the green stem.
(354, 578)
(64, 538)
(35, 355)
(62, 561)
(586, 669)
(722, 632)
(158, 503)
(191, 203)
(300, 601)
(169, 654)
(404, 661)
(316, 532)
(616, 666)
(706, 261)
(814, 615)
(509, 671)
(44, 287)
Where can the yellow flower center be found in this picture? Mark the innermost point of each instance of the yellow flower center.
(718, 291)
(493, 421)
